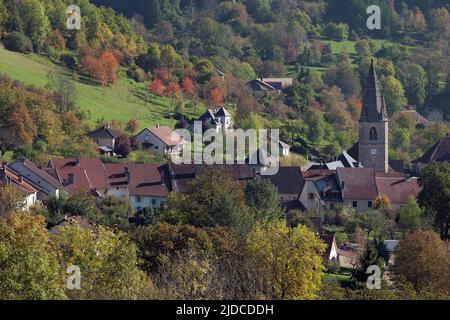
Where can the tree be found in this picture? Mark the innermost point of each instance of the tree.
(29, 261)
(17, 41)
(335, 31)
(262, 198)
(108, 263)
(343, 76)
(413, 78)
(422, 260)
(156, 87)
(122, 146)
(316, 128)
(132, 125)
(110, 65)
(188, 86)
(394, 94)
(11, 200)
(435, 195)
(21, 123)
(411, 214)
(288, 262)
(215, 97)
(35, 22)
(65, 95)
(299, 96)
(440, 23)
(369, 258)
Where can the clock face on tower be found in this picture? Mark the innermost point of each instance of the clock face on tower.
(373, 152)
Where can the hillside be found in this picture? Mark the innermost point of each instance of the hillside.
(121, 101)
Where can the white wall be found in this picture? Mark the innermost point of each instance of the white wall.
(147, 137)
(310, 204)
(24, 171)
(146, 202)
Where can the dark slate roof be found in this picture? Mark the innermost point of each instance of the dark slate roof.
(293, 205)
(105, 132)
(374, 106)
(397, 165)
(354, 151)
(222, 112)
(259, 85)
(440, 151)
(288, 180)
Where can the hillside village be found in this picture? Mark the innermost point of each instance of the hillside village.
(88, 138)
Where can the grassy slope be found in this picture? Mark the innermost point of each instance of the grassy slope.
(121, 101)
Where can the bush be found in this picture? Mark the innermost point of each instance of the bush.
(137, 74)
(69, 60)
(17, 41)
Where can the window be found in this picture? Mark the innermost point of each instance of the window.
(153, 202)
(355, 204)
(138, 199)
(373, 134)
(139, 208)
(311, 196)
(369, 204)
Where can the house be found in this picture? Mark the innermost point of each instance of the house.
(161, 140)
(277, 85)
(397, 188)
(361, 186)
(81, 174)
(145, 185)
(331, 251)
(180, 175)
(419, 120)
(21, 184)
(82, 222)
(289, 182)
(320, 189)
(258, 162)
(440, 152)
(105, 137)
(348, 256)
(40, 178)
(218, 119)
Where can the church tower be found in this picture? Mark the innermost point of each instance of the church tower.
(373, 126)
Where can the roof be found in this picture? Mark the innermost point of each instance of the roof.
(166, 135)
(328, 188)
(440, 151)
(37, 171)
(284, 145)
(417, 117)
(397, 165)
(314, 175)
(329, 239)
(288, 180)
(278, 83)
(354, 151)
(82, 222)
(358, 183)
(374, 106)
(182, 174)
(397, 188)
(222, 112)
(391, 245)
(140, 179)
(105, 132)
(88, 173)
(348, 161)
(259, 85)
(9, 177)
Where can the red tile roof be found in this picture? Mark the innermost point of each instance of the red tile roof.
(87, 173)
(140, 179)
(397, 189)
(359, 183)
(440, 151)
(166, 135)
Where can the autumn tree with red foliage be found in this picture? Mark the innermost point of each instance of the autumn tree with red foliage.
(215, 97)
(21, 124)
(103, 69)
(132, 125)
(188, 86)
(156, 87)
(173, 90)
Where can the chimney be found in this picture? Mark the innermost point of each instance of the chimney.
(77, 162)
(20, 178)
(157, 125)
(128, 175)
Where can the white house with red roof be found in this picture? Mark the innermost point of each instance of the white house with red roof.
(161, 140)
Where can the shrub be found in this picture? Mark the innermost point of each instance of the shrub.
(17, 41)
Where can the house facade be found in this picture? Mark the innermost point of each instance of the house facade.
(105, 137)
(161, 140)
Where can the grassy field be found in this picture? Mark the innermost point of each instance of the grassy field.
(121, 101)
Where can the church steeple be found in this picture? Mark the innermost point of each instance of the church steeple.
(374, 106)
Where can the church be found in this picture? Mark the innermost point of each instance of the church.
(372, 149)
